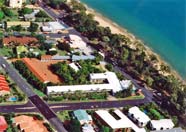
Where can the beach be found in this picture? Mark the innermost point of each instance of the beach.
(105, 22)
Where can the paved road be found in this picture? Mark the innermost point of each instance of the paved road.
(38, 102)
(148, 94)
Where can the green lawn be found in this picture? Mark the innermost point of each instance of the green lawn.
(42, 52)
(133, 97)
(63, 115)
(61, 52)
(15, 17)
(39, 93)
(5, 51)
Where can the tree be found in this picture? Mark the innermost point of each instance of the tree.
(75, 126)
(56, 3)
(41, 14)
(105, 129)
(7, 12)
(77, 6)
(109, 67)
(2, 3)
(149, 81)
(1, 15)
(17, 28)
(25, 10)
(64, 46)
(33, 27)
(52, 52)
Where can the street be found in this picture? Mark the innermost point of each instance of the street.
(35, 99)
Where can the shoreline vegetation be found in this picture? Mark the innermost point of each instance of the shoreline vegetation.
(116, 29)
(130, 54)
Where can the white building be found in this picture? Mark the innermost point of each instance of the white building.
(16, 3)
(162, 124)
(82, 116)
(125, 84)
(123, 122)
(31, 16)
(52, 27)
(77, 42)
(87, 128)
(138, 116)
(112, 85)
(74, 66)
(178, 129)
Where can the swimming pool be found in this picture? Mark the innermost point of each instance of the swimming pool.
(13, 99)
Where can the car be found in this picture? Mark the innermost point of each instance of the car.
(3, 65)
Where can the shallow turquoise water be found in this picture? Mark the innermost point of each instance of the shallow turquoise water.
(161, 24)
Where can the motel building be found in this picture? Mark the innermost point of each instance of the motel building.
(116, 121)
(4, 88)
(139, 117)
(3, 124)
(163, 124)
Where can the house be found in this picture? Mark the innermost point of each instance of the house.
(31, 16)
(74, 67)
(125, 84)
(51, 41)
(162, 124)
(112, 84)
(46, 58)
(138, 116)
(29, 124)
(178, 129)
(82, 57)
(23, 24)
(87, 128)
(82, 116)
(16, 3)
(4, 88)
(24, 40)
(116, 121)
(3, 124)
(77, 42)
(52, 27)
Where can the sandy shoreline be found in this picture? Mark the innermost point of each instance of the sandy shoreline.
(105, 22)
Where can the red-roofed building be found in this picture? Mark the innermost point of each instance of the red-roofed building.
(4, 88)
(3, 124)
(15, 41)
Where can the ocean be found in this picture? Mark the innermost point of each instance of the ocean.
(160, 24)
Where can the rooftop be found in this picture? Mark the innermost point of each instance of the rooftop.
(81, 115)
(162, 123)
(19, 40)
(171, 130)
(3, 84)
(112, 85)
(3, 124)
(138, 114)
(29, 124)
(74, 66)
(42, 70)
(123, 122)
(14, 23)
